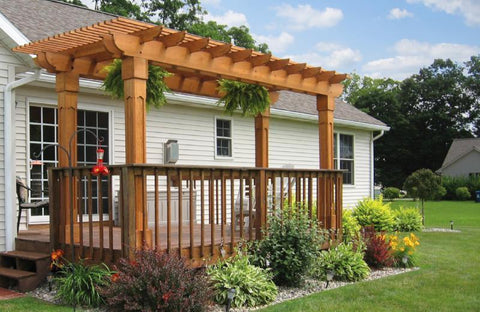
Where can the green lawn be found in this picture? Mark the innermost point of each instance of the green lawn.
(30, 304)
(448, 279)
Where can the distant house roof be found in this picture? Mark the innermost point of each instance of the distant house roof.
(458, 149)
(45, 18)
(306, 104)
(38, 19)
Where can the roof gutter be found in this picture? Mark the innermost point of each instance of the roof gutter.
(9, 156)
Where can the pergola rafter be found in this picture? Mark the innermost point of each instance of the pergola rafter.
(176, 51)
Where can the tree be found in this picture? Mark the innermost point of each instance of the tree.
(176, 14)
(425, 185)
(125, 8)
(240, 36)
(425, 112)
(76, 2)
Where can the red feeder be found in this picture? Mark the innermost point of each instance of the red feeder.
(99, 168)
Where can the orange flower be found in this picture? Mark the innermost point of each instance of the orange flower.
(115, 277)
(167, 296)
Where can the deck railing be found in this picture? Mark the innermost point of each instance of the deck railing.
(199, 212)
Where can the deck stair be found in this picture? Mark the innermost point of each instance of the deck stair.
(23, 270)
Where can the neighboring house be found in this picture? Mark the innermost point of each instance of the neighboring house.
(463, 159)
(206, 136)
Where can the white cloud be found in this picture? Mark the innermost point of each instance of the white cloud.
(330, 56)
(211, 2)
(411, 55)
(229, 18)
(469, 9)
(397, 13)
(304, 16)
(276, 44)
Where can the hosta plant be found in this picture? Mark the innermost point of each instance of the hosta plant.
(253, 285)
(344, 260)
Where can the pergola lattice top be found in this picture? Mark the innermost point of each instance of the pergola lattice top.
(197, 62)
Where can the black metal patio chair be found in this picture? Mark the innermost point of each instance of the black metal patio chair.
(22, 195)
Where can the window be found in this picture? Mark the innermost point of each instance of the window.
(44, 131)
(223, 136)
(343, 156)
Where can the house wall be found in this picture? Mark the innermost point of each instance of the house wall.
(470, 163)
(7, 64)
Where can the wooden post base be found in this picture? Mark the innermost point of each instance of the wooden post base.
(144, 242)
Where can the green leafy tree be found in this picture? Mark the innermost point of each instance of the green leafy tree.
(125, 8)
(425, 113)
(76, 2)
(176, 14)
(425, 185)
(240, 36)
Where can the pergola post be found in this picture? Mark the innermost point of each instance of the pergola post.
(325, 107)
(135, 75)
(261, 161)
(67, 86)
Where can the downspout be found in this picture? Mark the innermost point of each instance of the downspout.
(9, 154)
(372, 160)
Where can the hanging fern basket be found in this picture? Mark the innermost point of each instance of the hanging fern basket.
(250, 99)
(156, 86)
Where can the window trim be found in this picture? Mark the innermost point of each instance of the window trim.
(337, 167)
(216, 156)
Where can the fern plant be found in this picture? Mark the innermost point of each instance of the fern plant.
(250, 99)
(156, 86)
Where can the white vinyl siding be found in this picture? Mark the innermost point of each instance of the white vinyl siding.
(7, 60)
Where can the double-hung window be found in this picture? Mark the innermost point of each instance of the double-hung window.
(344, 156)
(223, 137)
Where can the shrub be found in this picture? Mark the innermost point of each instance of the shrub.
(157, 282)
(347, 264)
(391, 193)
(407, 219)
(404, 249)
(350, 227)
(377, 251)
(78, 283)
(253, 285)
(452, 183)
(374, 212)
(462, 193)
(289, 246)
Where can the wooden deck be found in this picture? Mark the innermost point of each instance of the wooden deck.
(90, 248)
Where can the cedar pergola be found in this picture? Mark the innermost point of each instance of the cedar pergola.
(196, 63)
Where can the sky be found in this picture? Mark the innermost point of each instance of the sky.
(377, 38)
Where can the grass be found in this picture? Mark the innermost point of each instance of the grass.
(30, 304)
(448, 279)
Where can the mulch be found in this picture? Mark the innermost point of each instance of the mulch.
(6, 294)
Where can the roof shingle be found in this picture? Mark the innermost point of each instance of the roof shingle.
(38, 19)
(307, 104)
